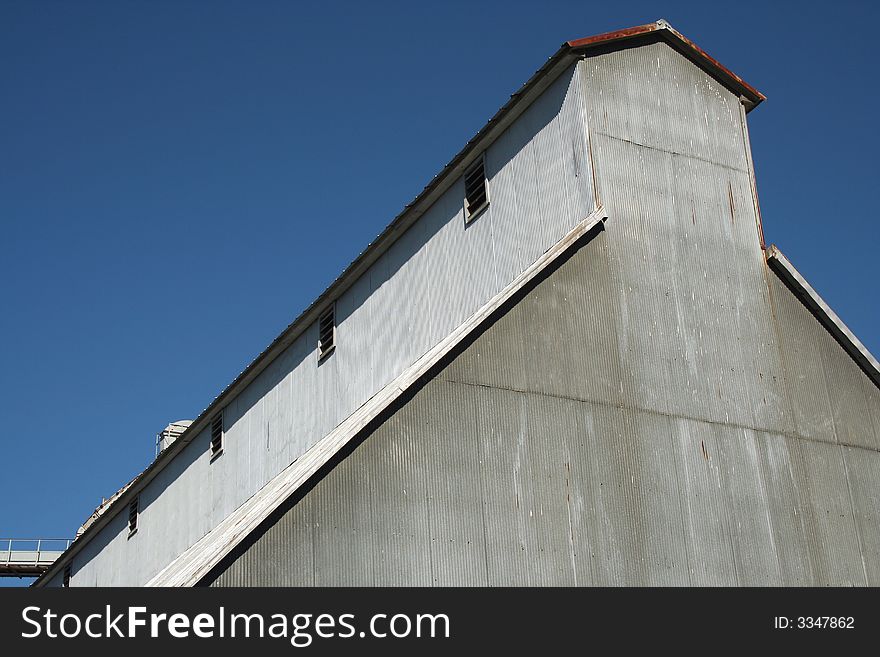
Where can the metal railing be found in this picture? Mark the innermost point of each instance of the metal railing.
(29, 556)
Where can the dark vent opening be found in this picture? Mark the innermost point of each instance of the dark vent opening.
(133, 515)
(327, 332)
(476, 195)
(65, 579)
(217, 434)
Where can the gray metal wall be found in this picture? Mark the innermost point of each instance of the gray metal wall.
(437, 274)
(661, 410)
(519, 464)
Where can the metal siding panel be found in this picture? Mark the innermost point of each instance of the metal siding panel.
(784, 507)
(872, 398)
(746, 493)
(517, 354)
(109, 570)
(506, 485)
(282, 556)
(642, 261)
(863, 471)
(580, 435)
(539, 176)
(707, 528)
(461, 262)
(380, 308)
(826, 505)
(758, 347)
(849, 405)
(642, 94)
(641, 532)
(269, 431)
(400, 321)
(444, 221)
(450, 454)
(550, 153)
(400, 523)
(556, 361)
(282, 430)
(327, 398)
(538, 524)
(536, 488)
(357, 332)
(342, 529)
(804, 376)
(176, 498)
(575, 131)
(240, 460)
(304, 393)
(551, 426)
(686, 331)
(513, 193)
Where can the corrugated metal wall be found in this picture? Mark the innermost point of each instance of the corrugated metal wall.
(661, 410)
(437, 274)
(519, 465)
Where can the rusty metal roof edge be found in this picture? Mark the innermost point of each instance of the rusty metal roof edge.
(685, 46)
(809, 297)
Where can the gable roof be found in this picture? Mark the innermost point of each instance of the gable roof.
(567, 54)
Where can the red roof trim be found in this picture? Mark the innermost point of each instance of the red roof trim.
(614, 36)
(685, 45)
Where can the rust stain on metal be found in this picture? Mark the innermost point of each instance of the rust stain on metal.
(616, 35)
(753, 182)
(596, 200)
(731, 202)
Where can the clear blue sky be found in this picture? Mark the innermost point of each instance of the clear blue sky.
(178, 180)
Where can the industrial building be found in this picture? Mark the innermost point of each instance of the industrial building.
(571, 360)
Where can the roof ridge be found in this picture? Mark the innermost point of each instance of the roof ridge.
(662, 29)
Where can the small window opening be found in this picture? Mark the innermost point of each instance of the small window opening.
(217, 434)
(327, 332)
(65, 578)
(133, 515)
(476, 192)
